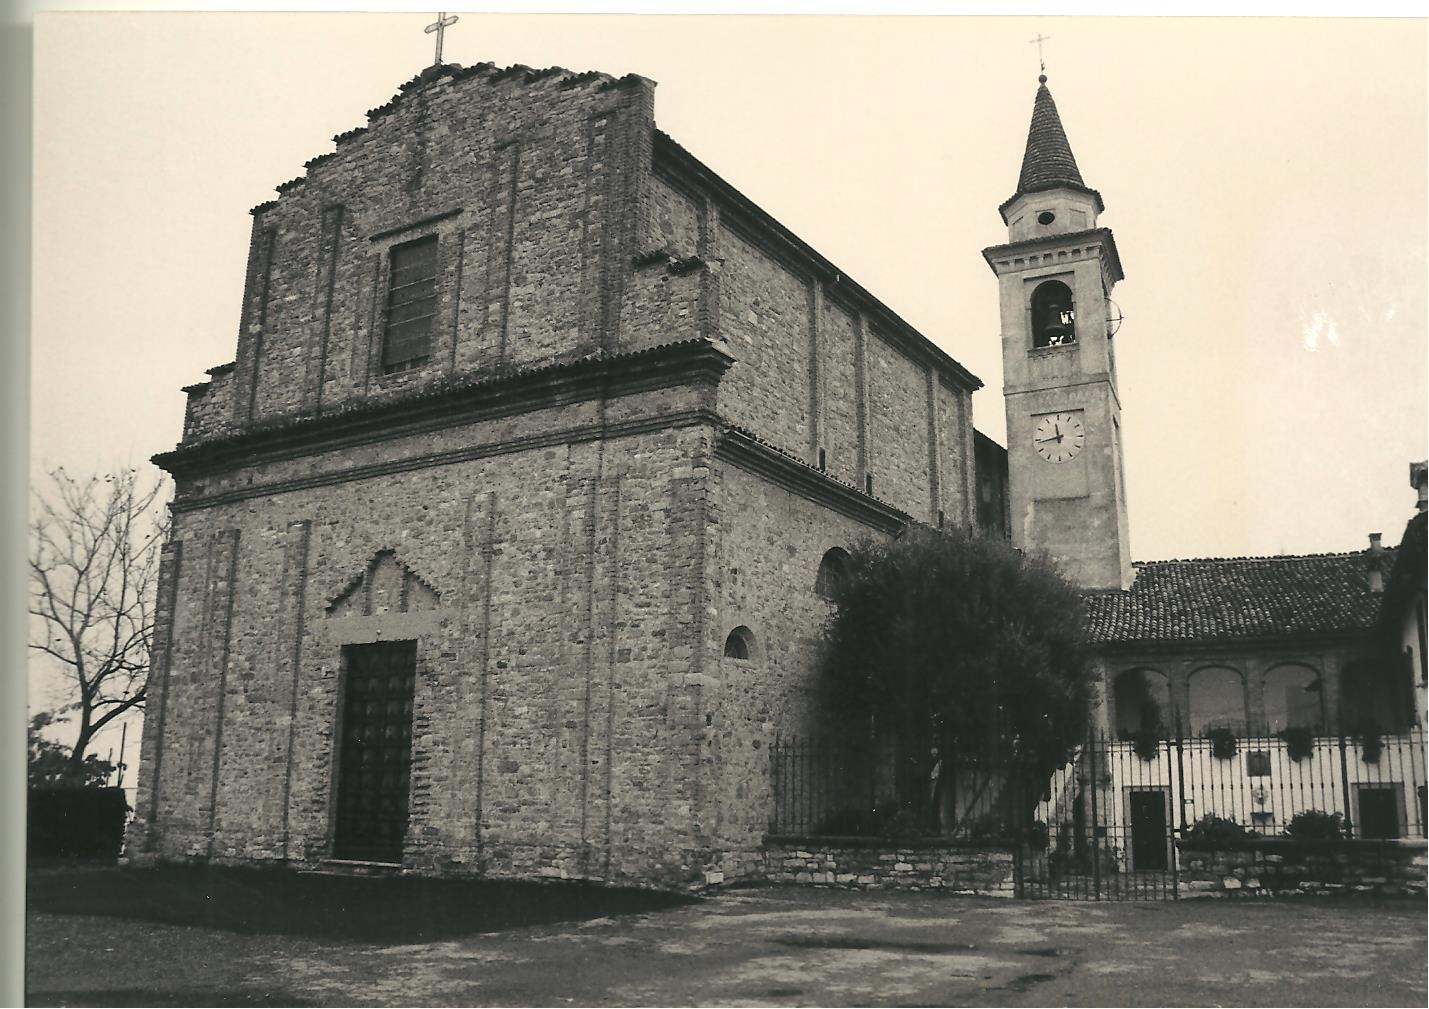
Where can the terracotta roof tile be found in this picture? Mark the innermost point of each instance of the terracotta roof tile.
(1048, 160)
(1236, 597)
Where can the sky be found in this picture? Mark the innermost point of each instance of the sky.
(1265, 180)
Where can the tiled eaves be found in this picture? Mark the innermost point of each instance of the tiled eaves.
(674, 264)
(787, 246)
(438, 401)
(199, 388)
(455, 72)
(1208, 601)
(795, 474)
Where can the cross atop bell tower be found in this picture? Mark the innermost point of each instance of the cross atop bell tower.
(1055, 275)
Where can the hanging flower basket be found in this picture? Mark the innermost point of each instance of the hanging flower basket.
(1299, 741)
(1371, 745)
(1146, 743)
(1223, 743)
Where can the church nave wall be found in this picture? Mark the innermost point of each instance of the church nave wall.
(556, 660)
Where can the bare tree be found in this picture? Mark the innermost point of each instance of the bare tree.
(94, 566)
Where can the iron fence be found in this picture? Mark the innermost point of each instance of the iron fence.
(1110, 823)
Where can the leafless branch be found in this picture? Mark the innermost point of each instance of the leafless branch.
(94, 563)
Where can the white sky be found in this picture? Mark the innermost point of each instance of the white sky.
(1265, 179)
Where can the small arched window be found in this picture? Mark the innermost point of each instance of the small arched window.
(1053, 316)
(1143, 702)
(739, 644)
(833, 569)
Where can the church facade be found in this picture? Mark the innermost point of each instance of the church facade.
(495, 549)
(498, 548)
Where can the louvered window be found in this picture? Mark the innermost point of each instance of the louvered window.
(411, 305)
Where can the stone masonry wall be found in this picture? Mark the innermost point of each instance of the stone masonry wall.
(532, 183)
(1290, 868)
(555, 724)
(765, 546)
(853, 863)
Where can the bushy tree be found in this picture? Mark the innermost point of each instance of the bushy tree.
(50, 763)
(959, 645)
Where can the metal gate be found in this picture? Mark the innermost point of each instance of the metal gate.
(1107, 828)
(1112, 821)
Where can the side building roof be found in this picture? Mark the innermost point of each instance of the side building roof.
(1225, 599)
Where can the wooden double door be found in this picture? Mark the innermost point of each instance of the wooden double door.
(375, 751)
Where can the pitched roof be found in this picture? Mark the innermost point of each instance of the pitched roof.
(1048, 160)
(1228, 598)
(1406, 575)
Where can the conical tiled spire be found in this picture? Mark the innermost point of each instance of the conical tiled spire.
(1048, 161)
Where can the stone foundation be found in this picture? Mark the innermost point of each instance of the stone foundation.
(1282, 867)
(873, 864)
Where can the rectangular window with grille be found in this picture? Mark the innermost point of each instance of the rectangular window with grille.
(411, 305)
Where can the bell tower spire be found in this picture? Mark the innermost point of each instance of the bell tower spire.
(1055, 275)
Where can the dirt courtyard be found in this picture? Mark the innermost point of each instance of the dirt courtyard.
(352, 943)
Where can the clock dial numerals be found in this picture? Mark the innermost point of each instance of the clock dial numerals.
(1059, 437)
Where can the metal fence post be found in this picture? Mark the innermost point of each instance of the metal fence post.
(1345, 784)
(1096, 836)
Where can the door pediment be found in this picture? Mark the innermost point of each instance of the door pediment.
(385, 585)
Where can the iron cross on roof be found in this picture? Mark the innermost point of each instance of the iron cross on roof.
(440, 26)
(1038, 40)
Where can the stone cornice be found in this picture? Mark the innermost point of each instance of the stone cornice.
(746, 451)
(453, 404)
(761, 229)
(506, 446)
(1015, 255)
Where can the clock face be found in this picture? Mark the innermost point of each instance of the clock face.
(1059, 437)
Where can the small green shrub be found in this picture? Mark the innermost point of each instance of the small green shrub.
(906, 825)
(1216, 832)
(847, 823)
(1315, 825)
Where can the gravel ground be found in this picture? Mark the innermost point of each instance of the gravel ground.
(269, 939)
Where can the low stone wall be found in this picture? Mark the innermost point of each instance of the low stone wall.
(872, 864)
(1283, 867)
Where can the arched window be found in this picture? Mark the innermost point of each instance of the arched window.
(739, 644)
(1292, 699)
(1217, 700)
(1143, 702)
(1376, 694)
(833, 569)
(1053, 315)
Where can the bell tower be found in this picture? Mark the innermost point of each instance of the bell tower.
(1055, 277)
